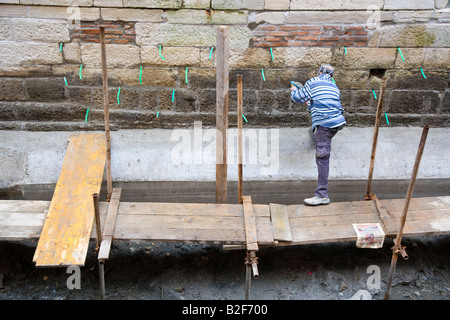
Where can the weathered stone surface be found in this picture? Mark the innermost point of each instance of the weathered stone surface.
(437, 58)
(124, 14)
(108, 3)
(173, 56)
(276, 4)
(79, 94)
(334, 5)
(148, 99)
(44, 89)
(186, 101)
(170, 4)
(186, 16)
(238, 4)
(414, 57)
(40, 30)
(200, 78)
(299, 57)
(446, 103)
(413, 80)
(413, 16)
(80, 3)
(318, 17)
(71, 52)
(187, 35)
(435, 35)
(116, 55)
(351, 79)
(7, 10)
(207, 100)
(413, 102)
(147, 33)
(196, 4)
(15, 53)
(249, 58)
(409, 4)
(25, 71)
(369, 58)
(51, 12)
(159, 77)
(11, 89)
(5, 30)
(270, 17)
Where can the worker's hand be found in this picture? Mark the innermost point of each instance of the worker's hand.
(293, 87)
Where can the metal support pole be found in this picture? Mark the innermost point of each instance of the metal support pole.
(398, 248)
(106, 114)
(251, 266)
(98, 228)
(101, 276)
(368, 195)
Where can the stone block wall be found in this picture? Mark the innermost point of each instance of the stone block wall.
(161, 59)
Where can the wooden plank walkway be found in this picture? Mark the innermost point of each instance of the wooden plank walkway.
(225, 224)
(66, 231)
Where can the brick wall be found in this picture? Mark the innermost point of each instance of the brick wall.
(159, 57)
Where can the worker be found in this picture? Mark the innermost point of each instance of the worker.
(327, 115)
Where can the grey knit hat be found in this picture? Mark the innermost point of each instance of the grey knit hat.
(326, 68)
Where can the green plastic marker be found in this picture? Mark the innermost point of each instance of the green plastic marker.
(157, 114)
(210, 53)
(140, 75)
(374, 94)
(81, 68)
(387, 121)
(87, 114)
(186, 75)
(118, 94)
(271, 53)
(65, 81)
(160, 53)
(244, 118)
(262, 72)
(173, 95)
(60, 47)
(345, 48)
(423, 74)
(401, 54)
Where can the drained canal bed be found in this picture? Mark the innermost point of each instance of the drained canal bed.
(181, 271)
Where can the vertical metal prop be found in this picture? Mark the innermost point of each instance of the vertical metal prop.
(222, 86)
(239, 120)
(368, 195)
(98, 228)
(398, 248)
(101, 276)
(106, 113)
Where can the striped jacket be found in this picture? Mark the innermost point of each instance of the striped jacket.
(325, 105)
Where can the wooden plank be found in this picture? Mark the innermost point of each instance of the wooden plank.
(250, 225)
(280, 222)
(110, 223)
(222, 86)
(67, 229)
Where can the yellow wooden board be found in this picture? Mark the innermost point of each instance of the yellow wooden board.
(68, 225)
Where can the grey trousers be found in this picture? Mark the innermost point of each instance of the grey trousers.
(323, 137)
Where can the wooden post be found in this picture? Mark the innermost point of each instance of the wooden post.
(106, 113)
(368, 195)
(239, 121)
(222, 86)
(398, 248)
